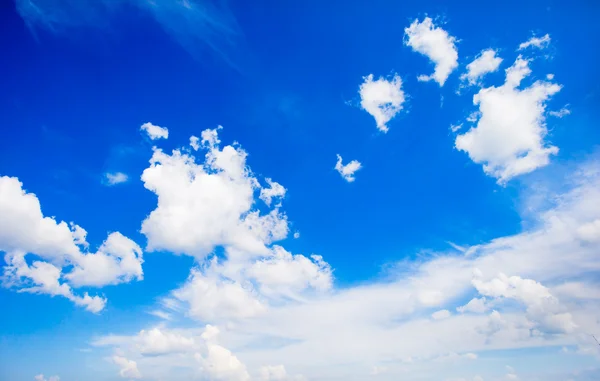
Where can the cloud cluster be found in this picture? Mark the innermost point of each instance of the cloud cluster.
(278, 308)
(59, 254)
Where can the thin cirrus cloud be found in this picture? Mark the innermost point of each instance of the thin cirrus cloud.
(436, 44)
(192, 23)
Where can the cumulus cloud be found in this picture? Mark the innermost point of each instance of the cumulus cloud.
(127, 368)
(115, 178)
(219, 363)
(155, 342)
(382, 99)
(509, 136)
(486, 62)
(286, 274)
(202, 206)
(60, 251)
(436, 44)
(536, 42)
(347, 171)
(155, 132)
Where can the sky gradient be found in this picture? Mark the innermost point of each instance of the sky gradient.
(277, 191)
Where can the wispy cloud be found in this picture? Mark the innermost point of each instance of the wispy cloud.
(115, 178)
(192, 23)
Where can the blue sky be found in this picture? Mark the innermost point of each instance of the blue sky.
(196, 190)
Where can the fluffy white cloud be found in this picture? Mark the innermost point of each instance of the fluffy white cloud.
(155, 132)
(382, 99)
(58, 246)
(536, 42)
(542, 307)
(347, 171)
(118, 260)
(155, 342)
(211, 297)
(509, 138)
(202, 206)
(486, 62)
(219, 363)
(40, 377)
(435, 43)
(275, 190)
(287, 275)
(128, 368)
(441, 314)
(115, 178)
(475, 305)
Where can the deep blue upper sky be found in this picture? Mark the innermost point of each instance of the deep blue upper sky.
(284, 84)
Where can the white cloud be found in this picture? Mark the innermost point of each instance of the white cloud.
(435, 43)
(58, 246)
(128, 368)
(155, 132)
(296, 235)
(156, 342)
(195, 143)
(201, 206)
(475, 305)
(382, 99)
(455, 127)
(560, 113)
(287, 275)
(441, 314)
(537, 42)
(509, 136)
(118, 260)
(275, 190)
(590, 232)
(219, 363)
(542, 307)
(211, 298)
(347, 171)
(389, 319)
(115, 178)
(40, 377)
(486, 62)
